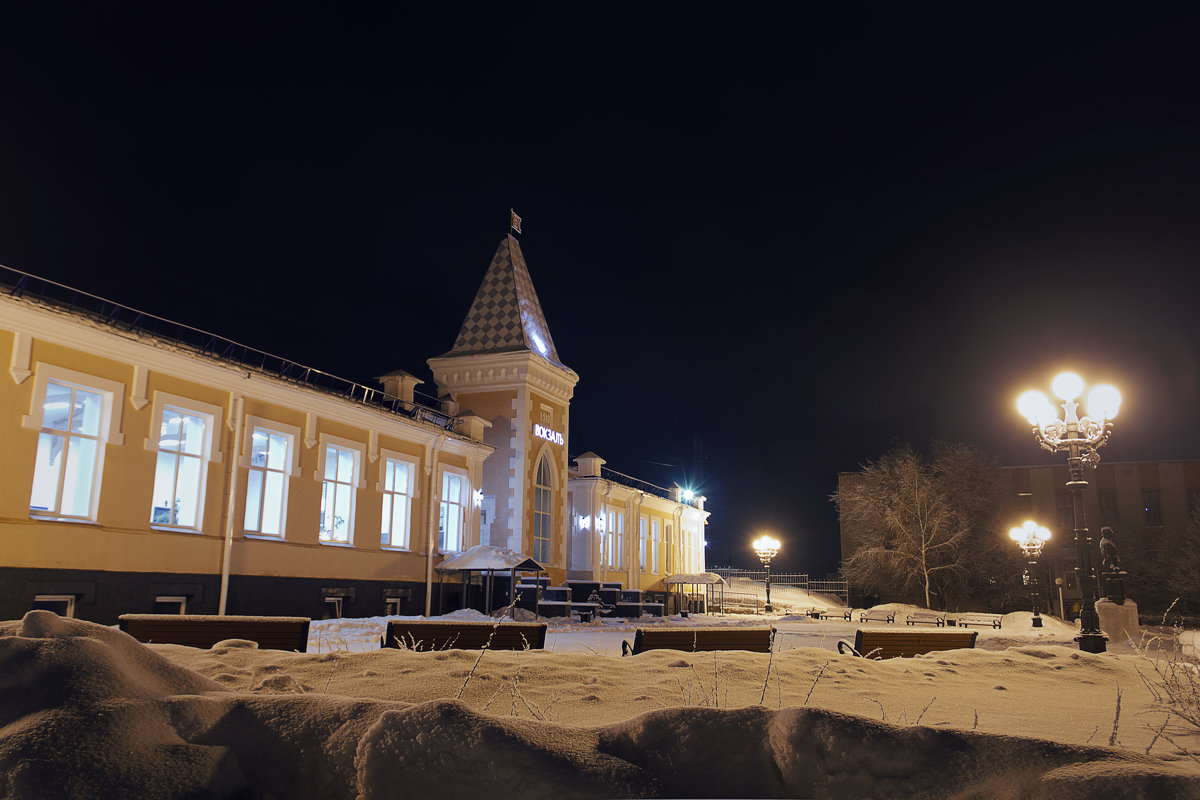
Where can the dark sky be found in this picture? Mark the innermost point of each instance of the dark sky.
(794, 239)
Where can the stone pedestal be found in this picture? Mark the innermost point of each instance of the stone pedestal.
(1119, 622)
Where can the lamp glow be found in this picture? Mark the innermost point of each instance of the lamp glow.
(1103, 401)
(1067, 386)
(1036, 407)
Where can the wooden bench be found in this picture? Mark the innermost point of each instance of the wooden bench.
(425, 634)
(905, 643)
(204, 630)
(695, 640)
(925, 618)
(990, 620)
(845, 614)
(877, 615)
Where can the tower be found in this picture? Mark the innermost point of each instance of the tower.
(504, 368)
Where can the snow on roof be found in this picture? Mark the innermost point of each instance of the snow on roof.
(485, 556)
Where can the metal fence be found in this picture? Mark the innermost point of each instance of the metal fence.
(30, 288)
(798, 580)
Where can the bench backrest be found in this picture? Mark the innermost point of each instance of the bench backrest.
(693, 640)
(423, 634)
(904, 642)
(203, 630)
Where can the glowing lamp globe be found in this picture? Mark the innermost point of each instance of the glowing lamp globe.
(1103, 402)
(1036, 408)
(1067, 386)
(766, 547)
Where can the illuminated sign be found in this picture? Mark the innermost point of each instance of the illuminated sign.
(542, 432)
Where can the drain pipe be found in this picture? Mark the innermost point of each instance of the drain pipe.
(231, 504)
(431, 521)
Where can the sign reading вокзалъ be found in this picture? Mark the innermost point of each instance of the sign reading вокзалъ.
(542, 432)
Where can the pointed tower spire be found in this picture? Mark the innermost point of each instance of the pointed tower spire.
(506, 315)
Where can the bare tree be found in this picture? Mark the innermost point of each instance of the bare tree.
(920, 524)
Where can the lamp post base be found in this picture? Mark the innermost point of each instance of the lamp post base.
(1092, 642)
(767, 608)
(1037, 621)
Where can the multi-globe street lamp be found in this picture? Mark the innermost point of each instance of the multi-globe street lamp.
(1031, 537)
(1080, 438)
(765, 548)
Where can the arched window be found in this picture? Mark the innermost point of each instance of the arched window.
(543, 502)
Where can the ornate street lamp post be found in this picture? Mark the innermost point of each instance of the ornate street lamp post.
(1080, 438)
(765, 548)
(1030, 537)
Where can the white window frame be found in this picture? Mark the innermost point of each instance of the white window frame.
(293, 435)
(643, 534)
(614, 529)
(655, 536)
(357, 481)
(547, 514)
(113, 394)
(464, 502)
(69, 599)
(211, 453)
(412, 462)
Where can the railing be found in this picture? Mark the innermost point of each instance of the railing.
(633, 483)
(31, 288)
(799, 580)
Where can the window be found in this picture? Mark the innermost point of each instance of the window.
(397, 486)
(340, 479)
(61, 604)
(70, 451)
(614, 537)
(1066, 511)
(1108, 507)
(170, 604)
(333, 608)
(643, 524)
(76, 416)
(269, 467)
(669, 558)
(178, 499)
(453, 514)
(543, 497)
(655, 533)
(1152, 500)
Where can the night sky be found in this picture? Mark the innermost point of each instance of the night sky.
(784, 243)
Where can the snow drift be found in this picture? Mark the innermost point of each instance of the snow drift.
(88, 712)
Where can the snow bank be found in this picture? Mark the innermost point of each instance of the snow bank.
(88, 712)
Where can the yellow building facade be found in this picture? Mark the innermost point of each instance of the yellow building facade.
(154, 467)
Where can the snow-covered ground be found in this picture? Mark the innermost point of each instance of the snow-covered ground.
(85, 711)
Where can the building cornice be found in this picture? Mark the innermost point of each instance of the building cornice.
(503, 371)
(143, 351)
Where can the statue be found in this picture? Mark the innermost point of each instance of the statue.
(1109, 560)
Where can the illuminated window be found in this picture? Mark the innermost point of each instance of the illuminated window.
(655, 543)
(643, 527)
(339, 483)
(70, 452)
(267, 475)
(398, 475)
(543, 500)
(614, 537)
(453, 514)
(668, 551)
(179, 471)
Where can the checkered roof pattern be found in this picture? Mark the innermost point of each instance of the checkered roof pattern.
(506, 310)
